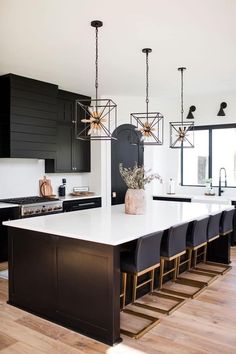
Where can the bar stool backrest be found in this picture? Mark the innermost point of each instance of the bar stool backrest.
(226, 221)
(147, 252)
(176, 239)
(197, 232)
(213, 228)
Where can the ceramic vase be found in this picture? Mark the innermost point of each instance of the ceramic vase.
(135, 201)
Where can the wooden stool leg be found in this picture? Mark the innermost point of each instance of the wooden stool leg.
(176, 265)
(152, 280)
(194, 258)
(162, 265)
(135, 280)
(205, 253)
(124, 281)
(190, 251)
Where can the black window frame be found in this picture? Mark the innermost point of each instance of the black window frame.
(210, 128)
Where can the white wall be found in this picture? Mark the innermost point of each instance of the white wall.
(162, 159)
(20, 178)
(205, 114)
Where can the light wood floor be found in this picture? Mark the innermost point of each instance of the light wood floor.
(206, 324)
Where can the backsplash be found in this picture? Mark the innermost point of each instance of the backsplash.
(20, 178)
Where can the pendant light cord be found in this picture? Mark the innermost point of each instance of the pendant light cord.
(147, 84)
(182, 94)
(96, 64)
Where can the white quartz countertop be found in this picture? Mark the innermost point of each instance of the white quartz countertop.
(75, 197)
(7, 205)
(200, 198)
(111, 226)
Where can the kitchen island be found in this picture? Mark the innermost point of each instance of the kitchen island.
(65, 267)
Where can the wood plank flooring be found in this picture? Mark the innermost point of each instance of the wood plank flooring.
(206, 324)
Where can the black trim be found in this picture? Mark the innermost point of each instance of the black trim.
(173, 199)
(215, 126)
(210, 159)
(210, 128)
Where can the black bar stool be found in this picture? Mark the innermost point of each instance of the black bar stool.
(145, 259)
(197, 241)
(173, 246)
(225, 226)
(213, 229)
(226, 222)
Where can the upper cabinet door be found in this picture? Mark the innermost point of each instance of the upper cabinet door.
(64, 153)
(65, 111)
(73, 155)
(80, 155)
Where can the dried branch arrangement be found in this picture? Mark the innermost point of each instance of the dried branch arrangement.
(137, 177)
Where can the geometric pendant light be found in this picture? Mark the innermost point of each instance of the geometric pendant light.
(182, 133)
(150, 124)
(95, 119)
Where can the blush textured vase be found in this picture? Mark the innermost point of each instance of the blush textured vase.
(135, 201)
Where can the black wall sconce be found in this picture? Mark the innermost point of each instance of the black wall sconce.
(221, 112)
(190, 113)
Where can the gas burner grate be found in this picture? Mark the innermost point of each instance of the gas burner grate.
(28, 200)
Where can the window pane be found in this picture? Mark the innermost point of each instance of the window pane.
(195, 160)
(224, 155)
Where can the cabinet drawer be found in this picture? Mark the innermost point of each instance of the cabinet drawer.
(80, 204)
(173, 199)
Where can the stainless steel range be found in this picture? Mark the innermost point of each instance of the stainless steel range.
(32, 206)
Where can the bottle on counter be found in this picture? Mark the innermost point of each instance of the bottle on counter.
(62, 188)
(171, 186)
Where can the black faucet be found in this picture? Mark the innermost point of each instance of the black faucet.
(220, 190)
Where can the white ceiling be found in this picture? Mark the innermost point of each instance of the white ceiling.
(52, 40)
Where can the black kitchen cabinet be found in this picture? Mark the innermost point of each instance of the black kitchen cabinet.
(172, 199)
(6, 214)
(28, 117)
(81, 204)
(73, 155)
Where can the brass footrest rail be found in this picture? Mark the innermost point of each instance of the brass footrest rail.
(225, 267)
(153, 322)
(176, 293)
(199, 285)
(191, 282)
(203, 283)
(179, 302)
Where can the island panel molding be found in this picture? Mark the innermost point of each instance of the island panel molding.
(71, 282)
